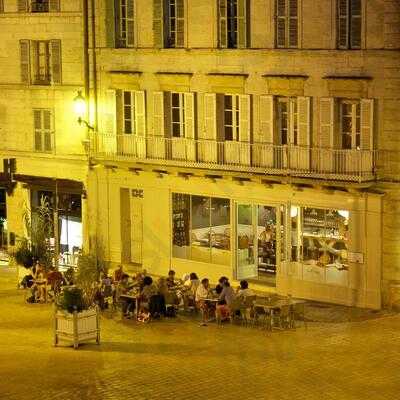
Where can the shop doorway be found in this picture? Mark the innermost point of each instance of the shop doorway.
(259, 244)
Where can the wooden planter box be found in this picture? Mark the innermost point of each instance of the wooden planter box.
(76, 327)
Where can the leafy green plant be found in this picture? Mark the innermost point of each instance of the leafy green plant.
(87, 277)
(24, 255)
(71, 299)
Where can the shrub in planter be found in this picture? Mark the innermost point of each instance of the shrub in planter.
(23, 255)
(71, 300)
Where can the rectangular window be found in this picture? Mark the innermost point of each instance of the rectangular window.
(287, 23)
(320, 241)
(178, 115)
(201, 228)
(128, 112)
(38, 6)
(350, 125)
(233, 23)
(231, 117)
(169, 23)
(43, 131)
(287, 121)
(131, 111)
(40, 62)
(349, 24)
(124, 12)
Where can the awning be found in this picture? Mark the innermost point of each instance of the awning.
(62, 185)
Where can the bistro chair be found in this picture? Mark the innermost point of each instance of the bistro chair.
(247, 309)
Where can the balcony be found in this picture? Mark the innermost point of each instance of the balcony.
(339, 165)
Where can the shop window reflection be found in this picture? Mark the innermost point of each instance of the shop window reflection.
(200, 233)
(220, 231)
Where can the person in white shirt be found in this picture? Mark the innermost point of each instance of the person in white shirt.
(244, 290)
(202, 293)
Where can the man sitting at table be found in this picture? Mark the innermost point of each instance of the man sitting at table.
(225, 301)
(118, 273)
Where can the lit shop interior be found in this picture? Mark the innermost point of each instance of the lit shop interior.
(313, 240)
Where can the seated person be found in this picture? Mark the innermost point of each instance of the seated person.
(124, 287)
(39, 286)
(118, 273)
(202, 293)
(226, 299)
(190, 285)
(149, 290)
(27, 280)
(171, 278)
(55, 280)
(244, 291)
(169, 296)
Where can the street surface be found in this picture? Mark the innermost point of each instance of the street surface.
(177, 359)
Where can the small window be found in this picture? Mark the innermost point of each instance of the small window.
(178, 115)
(43, 132)
(350, 125)
(349, 24)
(287, 23)
(124, 24)
(287, 121)
(169, 23)
(38, 6)
(233, 23)
(128, 112)
(231, 117)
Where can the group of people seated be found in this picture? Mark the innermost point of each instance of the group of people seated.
(42, 284)
(228, 300)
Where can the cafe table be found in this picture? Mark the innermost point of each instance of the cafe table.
(135, 298)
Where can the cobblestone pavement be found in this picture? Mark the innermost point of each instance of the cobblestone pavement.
(177, 359)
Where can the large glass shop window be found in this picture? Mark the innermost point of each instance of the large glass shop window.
(201, 228)
(320, 239)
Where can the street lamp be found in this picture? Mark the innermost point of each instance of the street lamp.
(80, 110)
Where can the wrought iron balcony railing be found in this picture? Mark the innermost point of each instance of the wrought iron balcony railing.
(347, 165)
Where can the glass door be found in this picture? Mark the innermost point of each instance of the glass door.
(246, 266)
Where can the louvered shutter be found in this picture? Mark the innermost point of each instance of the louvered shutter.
(293, 23)
(327, 115)
(355, 22)
(266, 122)
(189, 101)
(210, 116)
(130, 25)
(180, 24)
(1, 6)
(280, 23)
(47, 130)
(343, 24)
(110, 121)
(54, 5)
(303, 121)
(37, 123)
(22, 6)
(223, 23)
(34, 51)
(140, 113)
(244, 118)
(55, 54)
(25, 61)
(158, 24)
(242, 24)
(367, 124)
(111, 23)
(158, 114)
(120, 112)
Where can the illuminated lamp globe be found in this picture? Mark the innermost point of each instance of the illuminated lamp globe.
(79, 106)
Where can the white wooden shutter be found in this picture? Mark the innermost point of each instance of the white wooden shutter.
(158, 23)
(55, 55)
(303, 121)
(367, 124)
(281, 23)
(47, 130)
(158, 114)
(25, 61)
(244, 117)
(293, 23)
(343, 24)
(210, 116)
(266, 120)
(119, 112)
(140, 113)
(34, 68)
(110, 121)
(242, 24)
(326, 122)
(130, 24)
(22, 6)
(54, 5)
(180, 24)
(37, 124)
(223, 23)
(189, 101)
(355, 30)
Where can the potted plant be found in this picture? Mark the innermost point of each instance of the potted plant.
(77, 315)
(24, 255)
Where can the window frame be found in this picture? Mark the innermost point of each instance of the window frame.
(355, 133)
(349, 17)
(132, 112)
(286, 18)
(43, 131)
(292, 128)
(235, 111)
(180, 123)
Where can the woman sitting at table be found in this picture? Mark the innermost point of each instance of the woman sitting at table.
(171, 278)
(225, 301)
(244, 291)
(202, 294)
(170, 297)
(39, 286)
(190, 288)
(124, 287)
